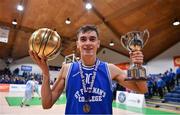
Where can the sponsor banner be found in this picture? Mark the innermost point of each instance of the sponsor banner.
(21, 87)
(17, 87)
(4, 87)
(26, 68)
(130, 99)
(177, 61)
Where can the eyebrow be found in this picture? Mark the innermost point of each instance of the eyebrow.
(89, 36)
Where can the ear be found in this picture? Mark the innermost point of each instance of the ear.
(98, 43)
(77, 44)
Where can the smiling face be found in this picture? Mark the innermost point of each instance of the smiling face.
(88, 43)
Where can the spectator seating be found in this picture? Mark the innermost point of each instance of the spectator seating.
(173, 96)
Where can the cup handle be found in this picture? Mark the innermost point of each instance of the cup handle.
(145, 39)
(124, 42)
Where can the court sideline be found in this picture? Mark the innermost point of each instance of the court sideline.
(5, 109)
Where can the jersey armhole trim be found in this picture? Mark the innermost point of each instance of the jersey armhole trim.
(68, 74)
(109, 75)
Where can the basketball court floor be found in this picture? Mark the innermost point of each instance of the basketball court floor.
(9, 105)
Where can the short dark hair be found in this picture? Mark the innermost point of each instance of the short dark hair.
(32, 78)
(86, 28)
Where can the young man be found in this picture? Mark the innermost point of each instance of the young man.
(88, 81)
(28, 92)
(36, 89)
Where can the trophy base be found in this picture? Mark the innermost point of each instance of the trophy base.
(136, 73)
(135, 79)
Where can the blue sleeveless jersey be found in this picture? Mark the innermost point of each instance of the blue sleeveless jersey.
(101, 97)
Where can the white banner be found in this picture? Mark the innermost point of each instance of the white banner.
(4, 33)
(17, 87)
(21, 87)
(130, 99)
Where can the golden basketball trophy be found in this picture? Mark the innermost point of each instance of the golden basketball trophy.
(135, 41)
(46, 43)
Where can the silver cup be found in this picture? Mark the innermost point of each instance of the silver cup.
(135, 41)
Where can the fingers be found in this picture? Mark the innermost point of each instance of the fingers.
(32, 55)
(36, 58)
(40, 61)
(137, 57)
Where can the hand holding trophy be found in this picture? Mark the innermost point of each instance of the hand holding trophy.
(44, 45)
(135, 41)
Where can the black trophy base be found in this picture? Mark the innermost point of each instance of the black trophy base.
(135, 79)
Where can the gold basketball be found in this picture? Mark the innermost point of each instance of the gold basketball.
(45, 42)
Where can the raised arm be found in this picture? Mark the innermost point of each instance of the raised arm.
(118, 75)
(49, 96)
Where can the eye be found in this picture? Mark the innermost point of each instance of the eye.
(92, 39)
(83, 39)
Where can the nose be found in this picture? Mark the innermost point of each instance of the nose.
(88, 42)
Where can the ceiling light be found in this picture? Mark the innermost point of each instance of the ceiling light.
(14, 22)
(176, 23)
(111, 43)
(20, 7)
(68, 21)
(88, 6)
